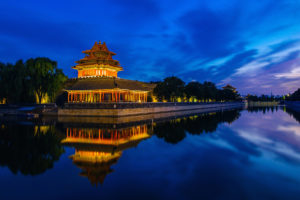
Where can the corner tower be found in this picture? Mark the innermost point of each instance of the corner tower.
(98, 62)
(98, 80)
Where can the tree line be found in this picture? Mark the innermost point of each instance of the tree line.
(262, 98)
(173, 89)
(295, 96)
(35, 81)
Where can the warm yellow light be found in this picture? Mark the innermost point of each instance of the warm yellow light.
(3, 101)
(94, 156)
(45, 98)
(154, 99)
(41, 130)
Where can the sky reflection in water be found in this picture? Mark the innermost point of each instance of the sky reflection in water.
(247, 154)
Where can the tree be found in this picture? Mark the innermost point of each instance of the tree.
(170, 89)
(159, 91)
(193, 90)
(295, 96)
(227, 95)
(14, 83)
(44, 76)
(210, 90)
(56, 84)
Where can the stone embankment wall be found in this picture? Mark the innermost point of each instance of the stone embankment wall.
(262, 103)
(127, 109)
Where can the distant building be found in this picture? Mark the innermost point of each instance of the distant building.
(229, 87)
(98, 80)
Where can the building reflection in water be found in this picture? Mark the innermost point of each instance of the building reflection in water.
(32, 148)
(96, 149)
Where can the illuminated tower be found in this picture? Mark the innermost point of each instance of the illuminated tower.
(98, 62)
(98, 80)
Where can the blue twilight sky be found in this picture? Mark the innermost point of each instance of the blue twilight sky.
(252, 44)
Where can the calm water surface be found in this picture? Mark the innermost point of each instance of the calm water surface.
(237, 154)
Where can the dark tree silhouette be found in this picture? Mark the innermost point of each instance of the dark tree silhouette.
(194, 90)
(175, 130)
(170, 89)
(45, 77)
(171, 131)
(20, 83)
(295, 96)
(27, 149)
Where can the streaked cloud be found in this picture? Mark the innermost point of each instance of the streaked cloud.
(293, 74)
(252, 45)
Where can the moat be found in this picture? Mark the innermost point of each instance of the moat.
(249, 153)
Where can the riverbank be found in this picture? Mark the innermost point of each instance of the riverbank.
(136, 109)
(113, 109)
(262, 103)
(27, 110)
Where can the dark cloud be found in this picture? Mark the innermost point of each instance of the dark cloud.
(212, 34)
(224, 70)
(204, 40)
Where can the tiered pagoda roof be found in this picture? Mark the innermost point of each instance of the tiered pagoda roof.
(230, 87)
(96, 172)
(110, 83)
(98, 55)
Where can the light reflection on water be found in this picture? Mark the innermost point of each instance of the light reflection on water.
(236, 154)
